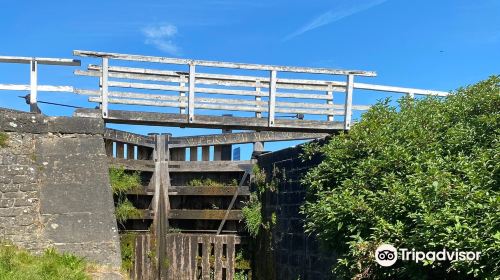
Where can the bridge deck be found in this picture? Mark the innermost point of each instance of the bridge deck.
(205, 121)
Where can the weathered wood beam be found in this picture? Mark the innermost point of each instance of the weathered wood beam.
(241, 138)
(207, 190)
(219, 64)
(139, 165)
(205, 121)
(210, 166)
(209, 214)
(128, 137)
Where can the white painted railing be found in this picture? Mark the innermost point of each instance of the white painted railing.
(33, 87)
(265, 96)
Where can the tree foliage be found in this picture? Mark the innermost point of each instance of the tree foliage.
(422, 175)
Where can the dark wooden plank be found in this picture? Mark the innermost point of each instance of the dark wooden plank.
(128, 137)
(193, 153)
(120, 150)
(205, 258)
(205, 153)
(205, 121)
(230, 257)
(242, 137)
(210, 166)
(130, 151)
(140, 165)
(108, 145)
(218, 257)
(178, 154)
(208, 191)
(207, 214)
(144, 153)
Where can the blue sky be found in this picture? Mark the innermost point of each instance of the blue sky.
(425, 44)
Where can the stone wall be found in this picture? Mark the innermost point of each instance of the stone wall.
(54, 186)
(286, 251)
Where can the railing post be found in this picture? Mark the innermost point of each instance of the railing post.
(258, 98)
(104, 88)
(182, 94)
(272, 97)
(33, 86)
(329, 92)
(191, 92)
(411, 95)
(348, 101)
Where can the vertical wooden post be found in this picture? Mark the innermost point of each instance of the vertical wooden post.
(108, 145)
(330, 102)
(182, 94)
(130, 151)
(120, 150)
(258, 98)
(104, 88)
(348, 101)
(34, 86)
(161, 202)
(226, 150)
(193, 153)
(191, 93)
(205, 153)
(217, 152)
(272, 97)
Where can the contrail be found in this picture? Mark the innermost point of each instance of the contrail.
(334, 15)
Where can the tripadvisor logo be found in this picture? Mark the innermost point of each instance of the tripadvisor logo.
(387, 255)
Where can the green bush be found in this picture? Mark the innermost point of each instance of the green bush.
(122, 182)
(125, 210)
(18, 264)
(252, 215)
(424, 175)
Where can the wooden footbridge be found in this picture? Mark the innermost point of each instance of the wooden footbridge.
(195, 230)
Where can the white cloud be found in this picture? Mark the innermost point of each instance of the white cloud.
(161, 36)
(334, 15)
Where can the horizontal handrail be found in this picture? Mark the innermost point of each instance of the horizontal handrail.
(33, 87)
(233, 65)
(40, 60)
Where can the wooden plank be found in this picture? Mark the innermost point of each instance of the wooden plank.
(217, 153)
(140, 165)
(128, 137)
(178, 154)
(193, 153)
(33, 86)
(205, 121)
(192, 77)
(230, 257)
(208, 214)
(108, 146)
(120, 150)
(104, 87)
(46, 88)
(222, 64)
(218, 258)
(272, 99)
(130, 151)
(144, 153)
(205, 263)
(210, 166)
(208, 191)
(241, 137)
(348, 102)
(205, 152)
